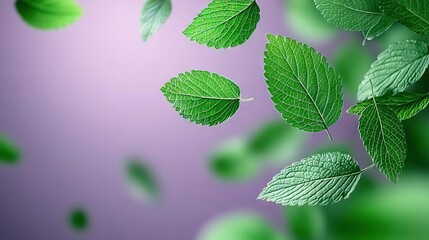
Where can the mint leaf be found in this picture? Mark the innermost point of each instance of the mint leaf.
(224, 23)
(79, 219)
(141, 180)
(317, 180)
(412, 13)
(203, 97)
(399, 66)
(48, 14)
(9, 151)
(362, 15)
(406, 105)
(154, 14)
(239, 226)
(304, 88)
(384, 139)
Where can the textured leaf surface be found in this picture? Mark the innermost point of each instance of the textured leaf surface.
(317, 180)
(406, 105)
(304, 88)
(412, 13)
(141, 180)
(9, 151)
(239, 226)
(225, 23)
(384, 139)
(202, 97)
(154, 14)
(356, 15)
(48, 14)
(401, 65)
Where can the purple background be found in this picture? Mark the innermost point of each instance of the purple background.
(79, 101)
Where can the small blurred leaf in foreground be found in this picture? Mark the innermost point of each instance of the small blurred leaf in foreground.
(306, 222)
(9, 151)
(78, 219)
(141, 181)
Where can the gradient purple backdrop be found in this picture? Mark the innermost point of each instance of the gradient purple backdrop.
(79, 101)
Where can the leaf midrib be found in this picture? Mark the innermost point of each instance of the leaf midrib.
(46, 10)
(415, 14)
(203, 97)
(359, 10)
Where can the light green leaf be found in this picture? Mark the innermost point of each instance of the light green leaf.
(412, 13)
(239, 226)
(154, 14)
(203, 97)
(142, 181)
(306, 222)
(356, 15)
(352, 72)
(9, 151)
(48, 14)
(224, 23)
(317, 180)
(231, 161)
(304, 19)
(304, 88)
(384, 139)
(406, 105)
(401, 65)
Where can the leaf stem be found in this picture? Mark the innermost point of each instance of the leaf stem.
(367, 168)
(329, 134)
(246, 99)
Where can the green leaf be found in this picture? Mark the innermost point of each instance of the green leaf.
(9, 151)
(78, 219)
(306, 222)
(304, 88)
(362, 15)
(203, 97)
(384, 139)
(304, 19)
(224, 23)
(317, 180)
(406, 105)
(154, 14)
(141, 180)
(239, 226)
(48, 14)
(231, 161)
(412, 13)
(401, 65)
(352, 72)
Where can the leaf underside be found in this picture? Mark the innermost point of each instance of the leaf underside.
(412, 13)
(384, 139)
(48, 14)
(401, 65)
(304, 88)
(203, 97)
(317, 180)
(406, 104)
(225, 23)
(154, 14)
(362, 15)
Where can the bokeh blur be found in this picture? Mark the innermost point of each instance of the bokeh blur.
(90, 148)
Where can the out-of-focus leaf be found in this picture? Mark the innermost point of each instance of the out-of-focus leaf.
(79, 219)
(141, 180)
(398, 33)
(233, 162)
(384, 213)
(48, 14)
(306, 21)
(276, 141)
(306, 222)
(417, 130)
(9, 151)
(352, 61)
(321, 179)
(239, 226)
(154, 14)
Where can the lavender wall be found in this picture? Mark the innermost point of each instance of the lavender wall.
(80, 100)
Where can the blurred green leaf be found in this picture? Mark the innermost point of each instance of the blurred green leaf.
(398, 33)
(352, 61)
(417, 130)
(141, 180)
(277, 141)
(78, 219)
(154, 14)
(232, 161)
(306, 222)
(9, 151)
(48, 14)
(239, 226)
(306, 21)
